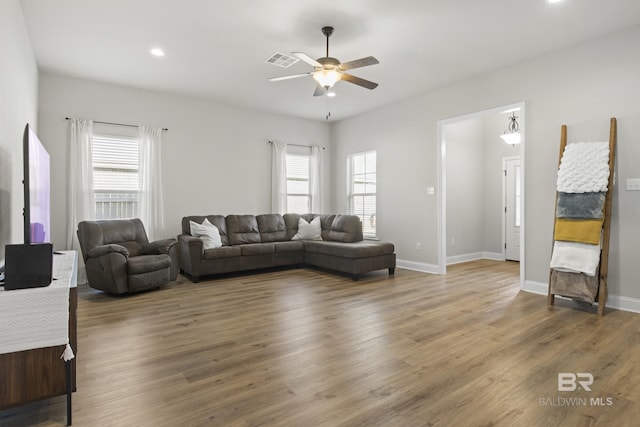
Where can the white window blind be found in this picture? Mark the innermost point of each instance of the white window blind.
(298, 188)
(362, 190)
(115, 176)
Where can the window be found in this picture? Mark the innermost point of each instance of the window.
(296, 178)
(115, 176)
(298, 185)
(362, 190)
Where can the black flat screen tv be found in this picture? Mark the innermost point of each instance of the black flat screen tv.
(37, 190)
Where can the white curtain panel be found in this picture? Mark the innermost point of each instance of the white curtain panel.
(82, 204)
(150, 203)
(316, 179)
(278, 177)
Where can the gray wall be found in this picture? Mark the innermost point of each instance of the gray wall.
(18, 106)
(465, 187)
(216, 158)
(582, 86)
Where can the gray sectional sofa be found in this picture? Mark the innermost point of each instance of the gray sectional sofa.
(261, 241)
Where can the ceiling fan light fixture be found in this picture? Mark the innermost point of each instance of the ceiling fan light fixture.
(327, 77)
(328, 70)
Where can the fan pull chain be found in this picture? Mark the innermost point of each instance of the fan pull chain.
(328, 109)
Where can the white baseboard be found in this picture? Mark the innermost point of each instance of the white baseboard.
(613, 301)
(536, 287)
(417, 266)
(457, 259)
(624, 303)
(433, 269)
(496, 256)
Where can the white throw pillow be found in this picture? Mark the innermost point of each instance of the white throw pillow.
(308, 230)
(208, 232)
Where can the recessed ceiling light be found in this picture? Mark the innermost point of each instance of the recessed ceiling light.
(156, 51)
(554, 1)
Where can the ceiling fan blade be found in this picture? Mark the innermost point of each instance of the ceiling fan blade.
(306, 58)
(320, 90)
(359, 81)
(292, 76)
(357, 63)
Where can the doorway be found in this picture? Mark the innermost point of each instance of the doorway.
(446, 155)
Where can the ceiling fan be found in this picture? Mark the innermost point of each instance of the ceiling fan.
(327, 70)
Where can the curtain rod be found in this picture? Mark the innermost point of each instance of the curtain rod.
(298, 145)
(115, 124)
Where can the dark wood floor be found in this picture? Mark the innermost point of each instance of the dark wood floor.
(309, 348)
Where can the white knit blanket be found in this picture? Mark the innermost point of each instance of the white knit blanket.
(39, 317)
(584, 168)
(575, 257)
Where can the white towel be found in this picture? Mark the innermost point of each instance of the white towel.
(584, 168)
(575, 257)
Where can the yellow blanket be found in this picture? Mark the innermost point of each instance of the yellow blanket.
(578, 230)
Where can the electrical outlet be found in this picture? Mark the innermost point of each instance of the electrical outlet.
(453, 241)
(633, 184)
(418, 246)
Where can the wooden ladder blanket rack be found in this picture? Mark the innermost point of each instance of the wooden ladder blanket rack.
(603, 265)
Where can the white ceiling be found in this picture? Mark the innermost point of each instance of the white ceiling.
(217, 49)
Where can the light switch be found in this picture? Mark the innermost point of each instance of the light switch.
(431, 191)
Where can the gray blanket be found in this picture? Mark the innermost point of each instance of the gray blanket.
(580, 205)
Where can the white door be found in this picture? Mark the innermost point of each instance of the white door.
(512, 209)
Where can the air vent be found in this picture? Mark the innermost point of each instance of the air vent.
(281, 60)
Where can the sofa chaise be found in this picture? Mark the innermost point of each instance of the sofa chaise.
(247, 242)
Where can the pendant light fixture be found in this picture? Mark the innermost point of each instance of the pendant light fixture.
(512, 134)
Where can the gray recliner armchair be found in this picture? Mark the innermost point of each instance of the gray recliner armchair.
(119, 258)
